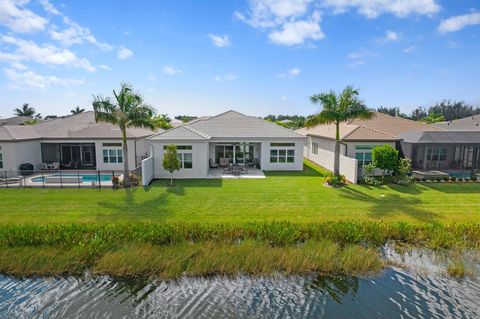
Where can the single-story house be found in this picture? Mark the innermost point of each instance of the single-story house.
(428, 146)
(75, 142)
(229, 137)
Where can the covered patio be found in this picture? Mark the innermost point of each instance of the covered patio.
(69, 155)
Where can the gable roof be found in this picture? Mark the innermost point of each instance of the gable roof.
(228, 125)
(79, 126)
(471, 123)
(381, 127)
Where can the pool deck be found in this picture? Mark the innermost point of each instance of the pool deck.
(70, 180)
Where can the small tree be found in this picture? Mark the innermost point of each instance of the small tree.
(385, 157)
(170, 161)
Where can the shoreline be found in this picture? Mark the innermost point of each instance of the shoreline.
(173, 250)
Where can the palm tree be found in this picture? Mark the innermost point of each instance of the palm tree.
(25, 111)
(126, 110)
(162, 121)
(337, 109)
(433, 118)
(77, 110)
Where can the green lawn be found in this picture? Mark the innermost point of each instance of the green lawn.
(298, 197)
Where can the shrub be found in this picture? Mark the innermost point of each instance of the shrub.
(474, 178)
(116, 181)
(335, 181)
(446, 178)
(403, 173)
(385, 157)
(438, 179)
(367, 175)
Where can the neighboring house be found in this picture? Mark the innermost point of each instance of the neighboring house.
(16, 120)
(76, 142)
(471, 123)
(231, 137)
(357, 139)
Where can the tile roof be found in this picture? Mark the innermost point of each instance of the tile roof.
(471, 123)
(380, 127)
(77, 126)
(16, 120)
(227, 125)
(443, 137)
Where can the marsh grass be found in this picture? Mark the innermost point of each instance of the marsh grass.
(172, 250)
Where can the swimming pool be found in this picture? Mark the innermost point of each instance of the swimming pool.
(464, 175)
(85, 177)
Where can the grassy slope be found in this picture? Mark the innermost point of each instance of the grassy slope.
(293, 196)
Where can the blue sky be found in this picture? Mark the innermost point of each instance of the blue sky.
(258, 57)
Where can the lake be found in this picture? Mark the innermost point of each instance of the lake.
(395, 293)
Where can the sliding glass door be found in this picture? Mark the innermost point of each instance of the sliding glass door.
(240, 153)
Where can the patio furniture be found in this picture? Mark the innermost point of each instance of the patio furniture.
(224, 162)
(212, 164)
(244, 169)
(45, 166)
(253, 163)
(55, 165)
(227, 169)
(236, 169)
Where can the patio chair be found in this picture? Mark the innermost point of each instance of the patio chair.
(227, 169)
(253, 163)
(244, 169)
(212, 164)
(45, 166)
(56, 166)
(224, 162)
(236, 170)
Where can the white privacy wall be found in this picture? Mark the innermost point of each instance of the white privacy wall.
(16, 153)
(326, 158)
(147, 170)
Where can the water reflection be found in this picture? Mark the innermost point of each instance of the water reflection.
(393, 294)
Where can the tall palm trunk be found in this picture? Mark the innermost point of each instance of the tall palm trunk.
(336, 162)
(126, 175)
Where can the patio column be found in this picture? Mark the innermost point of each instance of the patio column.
(425, 149)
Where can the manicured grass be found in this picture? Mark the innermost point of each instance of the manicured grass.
(298, 197)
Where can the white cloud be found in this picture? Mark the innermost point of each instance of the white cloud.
(226, 77)
(290, 73)
(124, 53)
(409, 49)
(359, 58)
(457, 23)
(76, 34)
(29, 79)
(17, 18)
(391, 36)
(373, 8)
(105, 67)
(48, 7)
(46, 54)
(297, 32)
(221, 41)
(170, 70)
(288, 22)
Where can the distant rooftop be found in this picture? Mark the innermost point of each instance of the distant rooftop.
(16, 120)
(471, 123)
(381, 127)
(77, 126)
(228, 125)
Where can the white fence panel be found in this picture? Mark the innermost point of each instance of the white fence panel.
(147, 170)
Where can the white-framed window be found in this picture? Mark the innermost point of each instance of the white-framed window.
(282, 153)
(185, 156)
(437, 154)
(315, 148)
(363, 154)
(112, 153)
